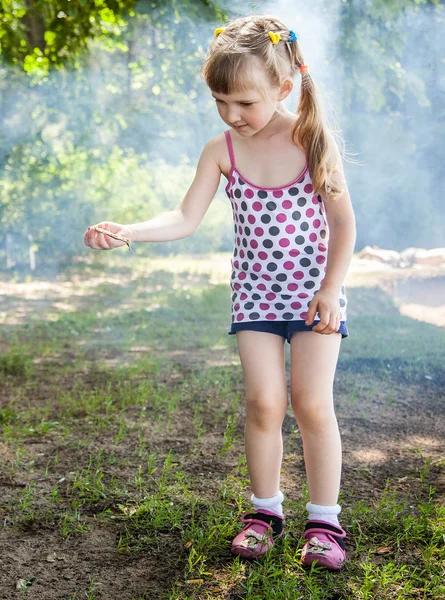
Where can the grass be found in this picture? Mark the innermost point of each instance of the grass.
(122, 449)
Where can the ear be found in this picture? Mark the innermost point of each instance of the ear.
(286, 88)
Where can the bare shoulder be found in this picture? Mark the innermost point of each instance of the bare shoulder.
(216, 147)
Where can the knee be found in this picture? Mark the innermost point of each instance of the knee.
(314, 416)
(264, 413)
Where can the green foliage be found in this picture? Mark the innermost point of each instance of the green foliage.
(42, 34)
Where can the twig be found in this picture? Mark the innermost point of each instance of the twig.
(115, 236)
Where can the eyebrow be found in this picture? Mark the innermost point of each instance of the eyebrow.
(245, 101)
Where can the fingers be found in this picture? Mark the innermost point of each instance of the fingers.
(96, 240)
(329, 323)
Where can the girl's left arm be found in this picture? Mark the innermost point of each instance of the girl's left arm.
(342, 235)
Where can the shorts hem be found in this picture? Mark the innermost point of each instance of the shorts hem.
(283, 328)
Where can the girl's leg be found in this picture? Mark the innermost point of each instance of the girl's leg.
(313, 362)
(263, 362)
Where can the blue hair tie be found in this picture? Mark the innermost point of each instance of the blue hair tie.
(293, 37)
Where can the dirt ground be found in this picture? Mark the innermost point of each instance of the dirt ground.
(381, 439)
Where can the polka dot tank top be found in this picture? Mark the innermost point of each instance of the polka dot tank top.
(281, 246)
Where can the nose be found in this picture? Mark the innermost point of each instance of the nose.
(233, 115)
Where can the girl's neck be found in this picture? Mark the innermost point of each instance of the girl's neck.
(279, 122)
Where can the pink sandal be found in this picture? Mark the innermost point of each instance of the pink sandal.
(259, 535)
(325, 545)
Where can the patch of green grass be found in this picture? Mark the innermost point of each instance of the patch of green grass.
(15, 364)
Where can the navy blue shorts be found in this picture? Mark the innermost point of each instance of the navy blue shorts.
(284, 328)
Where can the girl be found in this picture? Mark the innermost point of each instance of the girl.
(290, 205)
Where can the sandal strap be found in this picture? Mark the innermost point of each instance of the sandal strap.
(338, 533)
(275, 522)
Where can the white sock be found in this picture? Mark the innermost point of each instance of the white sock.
(274, 504)
(324, 513)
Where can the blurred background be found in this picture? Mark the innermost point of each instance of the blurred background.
(103, 116)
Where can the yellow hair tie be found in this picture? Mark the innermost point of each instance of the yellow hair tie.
(275, 37)
(219, 30)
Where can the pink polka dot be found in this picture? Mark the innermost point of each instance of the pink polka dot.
(303, 295)
(261, 287)
(308, 188)
(294, 252)
(298, 275)
(236, 286)
(289, 265)
(242, 276)
(271, 296)
(303, 315)
(313, 237)
(321, 247)
(290, 228)
(266, 277)
(238, 242)
(257, 206)
(236, 264)
(262, 255)
(325, 269)
(256, 267)
(310, 212)
(281, 218)
(320, 259)
(243, 296)
(236, 206)
(236, 217)
(251, 219)
(314, 200)
(264, 306)
(236, 307)
(296, 305)
(317, 223)
(271, 316)
(277, 194)
(233, 180)
(239, 317)
(241, 253)
(248, 193)
(287, 204)
(292, 287)
(284, 243)
(253, 244)
(259, 231)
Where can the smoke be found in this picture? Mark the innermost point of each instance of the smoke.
(396, 191)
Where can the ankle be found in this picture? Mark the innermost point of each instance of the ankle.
(273, 504)
(321, 512)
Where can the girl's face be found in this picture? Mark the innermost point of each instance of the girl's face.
(247, 112)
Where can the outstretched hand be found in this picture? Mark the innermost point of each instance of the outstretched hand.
(101, 241)
(326, 303)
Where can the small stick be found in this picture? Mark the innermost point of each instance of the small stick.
(115, 236)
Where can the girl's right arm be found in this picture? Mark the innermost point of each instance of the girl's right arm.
(175, 224)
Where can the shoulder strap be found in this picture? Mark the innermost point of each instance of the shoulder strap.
(230, 148)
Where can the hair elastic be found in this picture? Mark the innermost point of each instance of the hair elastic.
(218, 31)
(275, 37)
(304, 68)
(292, 36)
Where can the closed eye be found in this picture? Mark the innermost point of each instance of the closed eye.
(242, 103)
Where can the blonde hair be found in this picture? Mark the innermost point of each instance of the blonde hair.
(231, 65)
